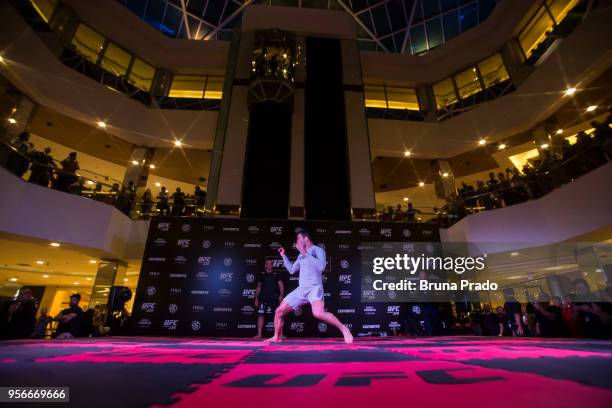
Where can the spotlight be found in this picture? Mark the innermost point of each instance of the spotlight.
(12, 121)
(570, 91)
(55, 244)
(501, 146)
(152, 166)
(482, 142)
(559, 131)
(544, 146)
(102, 124)
(407, 153)
(178, 143)
(591, 108)
(421, 184)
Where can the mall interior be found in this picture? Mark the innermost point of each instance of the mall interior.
(489, 119)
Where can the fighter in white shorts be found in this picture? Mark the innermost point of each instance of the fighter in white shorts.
(311, 264)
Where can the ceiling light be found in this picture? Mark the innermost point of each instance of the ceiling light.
(544, 146)
(12, 121)
(559, 131)
(76, 283)
(482, 142)
(125, 279)
(421, 184)
(90, 182)
(55, 244)
(405, 198)
(102, 124)
(178, 143)
(88, 279)
(157, 184)
(591, 108)
(445, 174)
(570, 91)
(45, 276)
(514, 254)
(92, 261)
(1, 59)
(134, 162)
(407, 153)
(501, 146)
(152, 166)
(13, 279)
(40, 262)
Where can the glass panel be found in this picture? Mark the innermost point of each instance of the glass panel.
(87, 42)
(45, 8)
(141, 75)
(493, 71)
(448, 4)
(375, 96)
(434, 33)
(417, 38)
(430, 8)
(402, 98)
(467, 83)
(115, 60)
(485, 8)
(535, 31)
(468, 16)
(187, 86)
(451, 25)
(560, 8)
(214, 88)
(444, 92)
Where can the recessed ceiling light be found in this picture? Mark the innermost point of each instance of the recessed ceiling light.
(445, 174)
(157, 184)
(55, 244)
(76, 283)
(421, 184)
(544, 146)
(134, 162)
(88, 279)
(514, 254)
(482, 142)
(407, 153)
(13, 279)
(12, 121)
(405, 198)
(501, 146)
(559, 131)
(92, 261)
(90, 182)
(570, 91)
(178, 143)
(591, 108)
(45, 276)
(1, 59)
(102, 124)
(40, 262)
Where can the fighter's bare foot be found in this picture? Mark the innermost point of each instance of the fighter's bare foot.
(348, 337)
(274, 340)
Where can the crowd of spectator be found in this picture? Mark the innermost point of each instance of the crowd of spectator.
(515, 186)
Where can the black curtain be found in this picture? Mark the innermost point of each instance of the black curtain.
(326, 178)
(265, 191)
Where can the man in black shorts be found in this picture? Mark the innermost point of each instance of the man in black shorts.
(268, 295)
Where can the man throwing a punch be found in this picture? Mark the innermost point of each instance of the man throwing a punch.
(311, 264)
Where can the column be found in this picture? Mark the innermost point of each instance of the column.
(111, 272)
(514, 60)
(427, 102)
(444, 180)
(137, 170)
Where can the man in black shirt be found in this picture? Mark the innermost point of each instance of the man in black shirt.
(70, 319)
(268, 295)
(22, 315)
(491, 323)
(41, 167)
(548, 317)
(514, 315)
